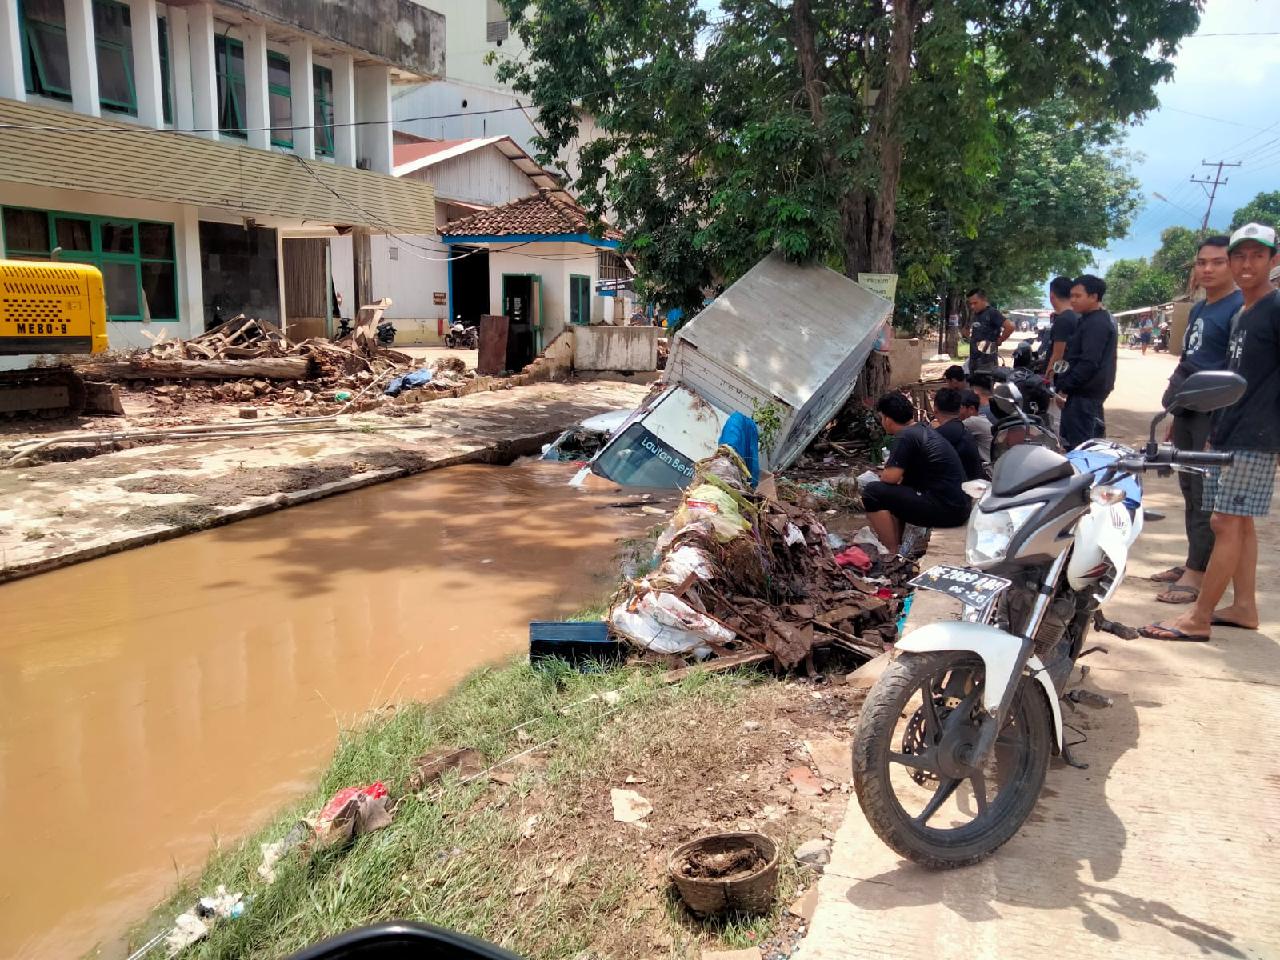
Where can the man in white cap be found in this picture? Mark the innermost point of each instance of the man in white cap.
(1251, 430)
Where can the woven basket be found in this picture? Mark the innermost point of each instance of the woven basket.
(753, 893)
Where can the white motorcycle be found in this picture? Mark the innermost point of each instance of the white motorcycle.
(954, 740)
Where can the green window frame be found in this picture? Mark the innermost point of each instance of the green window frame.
(44, 34)
(137, 252)
(280, 93)
(322, 80)
(229, 57)
(579, 299)
(110, 17)
(166, 72)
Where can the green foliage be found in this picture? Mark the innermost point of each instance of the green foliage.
(1143, 282)
(768, 418)
(1264, 208)
(821, 127)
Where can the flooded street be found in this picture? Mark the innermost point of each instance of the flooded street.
(161, 698)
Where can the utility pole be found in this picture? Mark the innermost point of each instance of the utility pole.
(1210, 187)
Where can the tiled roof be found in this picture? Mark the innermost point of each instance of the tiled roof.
(545, 214)
(46, 147)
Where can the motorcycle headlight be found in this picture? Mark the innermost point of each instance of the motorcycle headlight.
(991, 533)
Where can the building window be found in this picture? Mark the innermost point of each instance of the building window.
(497, 28)
(113, 39)
(136, 257)
(229, 54)
(281, 94)
(45, 60)
(166, 75)
(322, 78)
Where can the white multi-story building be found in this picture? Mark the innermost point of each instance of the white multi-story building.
(201, 154)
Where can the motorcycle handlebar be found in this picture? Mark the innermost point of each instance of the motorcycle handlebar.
(1168, 456)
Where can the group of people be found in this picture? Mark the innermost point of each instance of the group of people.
(1236, 327)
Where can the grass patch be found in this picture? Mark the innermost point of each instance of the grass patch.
(530, 857)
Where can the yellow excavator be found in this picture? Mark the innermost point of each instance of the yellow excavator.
(48, 309)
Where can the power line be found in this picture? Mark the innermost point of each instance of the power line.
(1205, 116)
(1244, 33)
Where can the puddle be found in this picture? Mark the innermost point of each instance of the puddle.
(161, 697)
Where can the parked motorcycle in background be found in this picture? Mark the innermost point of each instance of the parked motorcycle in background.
(462, 337)
(386, 333)
(954, 740)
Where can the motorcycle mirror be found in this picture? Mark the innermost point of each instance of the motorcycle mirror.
(1206, 391)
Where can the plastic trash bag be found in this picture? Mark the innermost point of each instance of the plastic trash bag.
(664, 623)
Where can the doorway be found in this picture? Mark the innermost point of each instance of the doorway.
(307, 282)
(522, 304)
(469, 285)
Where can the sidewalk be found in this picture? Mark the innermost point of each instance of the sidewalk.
(60, 513)
(1167, 846)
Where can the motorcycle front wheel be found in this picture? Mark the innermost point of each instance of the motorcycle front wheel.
(911, 755)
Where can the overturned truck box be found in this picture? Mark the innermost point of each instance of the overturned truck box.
(786, 338)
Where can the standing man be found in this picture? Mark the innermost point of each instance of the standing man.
(1251, 430)
(1204, 347)
(988, 328)
(1062, 322)
(1091, 365)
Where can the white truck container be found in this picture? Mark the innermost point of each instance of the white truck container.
(785, 337)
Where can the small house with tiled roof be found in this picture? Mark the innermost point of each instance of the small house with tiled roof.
(551, 265)
(509, 240)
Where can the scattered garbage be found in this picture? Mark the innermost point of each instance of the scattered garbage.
(416, 378)
(855, 557)
(196, 924)
(726, 871)
(352, 812)
(737, 570)
(629, 806)
(585, 646)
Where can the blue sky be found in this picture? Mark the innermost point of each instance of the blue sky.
(1223, 103)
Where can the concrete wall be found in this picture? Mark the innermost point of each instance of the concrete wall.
(400, 33)
(905, 362)
(466, 23)
(554, 263)
(615, 348)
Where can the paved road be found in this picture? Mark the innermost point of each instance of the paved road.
(1165, 847)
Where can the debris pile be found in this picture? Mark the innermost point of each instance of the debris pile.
(739, 572)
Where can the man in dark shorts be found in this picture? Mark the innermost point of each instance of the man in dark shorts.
(1240, 493)
(1204, 347)
(920, 482)
(988, 328)
(1091, 365)
(950, 426)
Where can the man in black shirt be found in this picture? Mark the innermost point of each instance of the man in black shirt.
(1251, 430)
(988, 328)
(1062, 323)
(1091, 365)
(920, 482)
(950, 426)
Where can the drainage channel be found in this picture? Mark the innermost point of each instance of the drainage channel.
(159, 698)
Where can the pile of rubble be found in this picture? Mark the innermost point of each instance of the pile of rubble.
(740, 571)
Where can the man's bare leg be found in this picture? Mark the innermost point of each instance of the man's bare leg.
(1243, 609)
(886, 526)
(1229, 544)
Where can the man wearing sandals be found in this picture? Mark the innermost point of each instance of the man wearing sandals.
(1204, 347)
(1251, 430)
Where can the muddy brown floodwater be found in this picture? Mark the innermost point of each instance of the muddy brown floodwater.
(157, 699)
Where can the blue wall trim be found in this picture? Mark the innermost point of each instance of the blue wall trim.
(585, 238)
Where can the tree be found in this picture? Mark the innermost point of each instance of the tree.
(1264, 208)
(1141, 282)
(1060, 191)
(797, 125)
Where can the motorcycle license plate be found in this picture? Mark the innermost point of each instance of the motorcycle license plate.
(973, 588)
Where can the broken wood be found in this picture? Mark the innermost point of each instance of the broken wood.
(147, 368)
(102, 400)
(747, 658)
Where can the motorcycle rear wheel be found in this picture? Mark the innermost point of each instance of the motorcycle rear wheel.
(897, 761)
